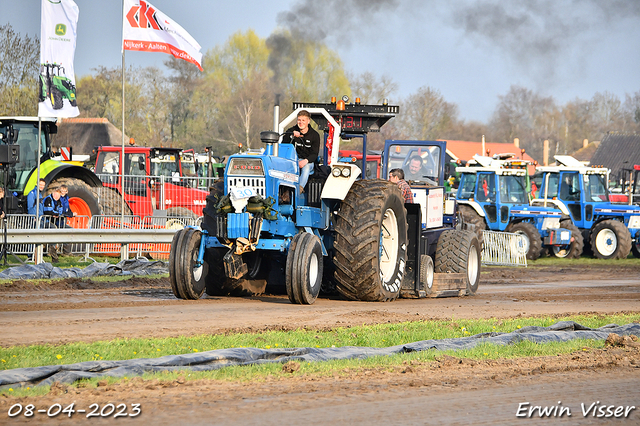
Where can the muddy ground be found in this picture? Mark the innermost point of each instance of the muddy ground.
(448, 391)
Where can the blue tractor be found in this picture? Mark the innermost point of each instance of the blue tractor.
(493, 195)
(611, 230)
(344, 232)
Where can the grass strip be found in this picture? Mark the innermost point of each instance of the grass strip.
(381, 335)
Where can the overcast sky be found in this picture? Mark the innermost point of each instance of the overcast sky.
(471, 51)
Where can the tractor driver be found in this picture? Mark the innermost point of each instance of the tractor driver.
(414, 171)
(307, 142)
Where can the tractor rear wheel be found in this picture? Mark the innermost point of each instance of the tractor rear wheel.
(111, 202)
(610, 239)
(303, 276)
(532, 240)
(459, 252)
(470, 216)
(56, 98)
(572, 250)
(371, 242)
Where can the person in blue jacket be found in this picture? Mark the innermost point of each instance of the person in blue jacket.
(53, 211)
(32, 196)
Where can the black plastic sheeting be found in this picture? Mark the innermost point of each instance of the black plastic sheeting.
(216, 359)
(140, 266)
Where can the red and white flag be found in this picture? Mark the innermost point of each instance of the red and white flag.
(146, 29)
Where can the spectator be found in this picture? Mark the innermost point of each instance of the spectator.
(307, 142)
(64, 198)
(397, 176)
(33, 195)
(2, 215)
(56, 218)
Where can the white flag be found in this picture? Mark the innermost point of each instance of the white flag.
(146, 29)
(57, 82)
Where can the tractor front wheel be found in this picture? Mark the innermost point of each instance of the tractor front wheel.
(574, 249)
(303, 275)
(610, 239)
(532, 244)
(186, 276)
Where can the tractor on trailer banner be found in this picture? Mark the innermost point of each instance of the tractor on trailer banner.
(356, 235)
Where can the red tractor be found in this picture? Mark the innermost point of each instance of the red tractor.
(153, 183)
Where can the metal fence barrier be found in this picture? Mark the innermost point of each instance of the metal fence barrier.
(103, 235)
(504, 249)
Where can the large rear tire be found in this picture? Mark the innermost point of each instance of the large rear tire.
(371, 242)
(610, 239)
(111, 202)
(533, 241)
(470, 216)
(574, 249)
(459, 252)
(304, 269)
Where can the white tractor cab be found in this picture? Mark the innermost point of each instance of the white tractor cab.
(610, 230)
(353, 235)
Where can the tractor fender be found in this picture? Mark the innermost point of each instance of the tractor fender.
(337, 187)
(473, 204)
(554, 203)
(53, 169)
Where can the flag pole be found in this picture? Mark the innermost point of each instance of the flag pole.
(122, 160)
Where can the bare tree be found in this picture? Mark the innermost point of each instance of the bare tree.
(19, 57)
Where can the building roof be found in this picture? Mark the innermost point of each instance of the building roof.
(83, 134)
(585, 153)
(617, 151)
(465, 150)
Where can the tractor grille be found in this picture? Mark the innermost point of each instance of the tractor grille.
(314, 190)
(257, 184)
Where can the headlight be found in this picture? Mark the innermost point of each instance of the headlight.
(634, 222)
(335, 172)
(551, 223)
(346, 172)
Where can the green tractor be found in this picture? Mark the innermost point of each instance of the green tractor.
(54, 85)
(20, 176)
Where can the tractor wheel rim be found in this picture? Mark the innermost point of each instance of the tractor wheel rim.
(430, 277)
(313, 270)
(524, 242)
(196, 270)
(472, 265)
(606, 242)
(388, 245)
(561, 251)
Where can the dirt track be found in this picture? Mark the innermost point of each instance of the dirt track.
(445, 392)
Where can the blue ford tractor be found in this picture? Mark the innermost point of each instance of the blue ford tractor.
(611, 230)
(344, 232)
(493, 195)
